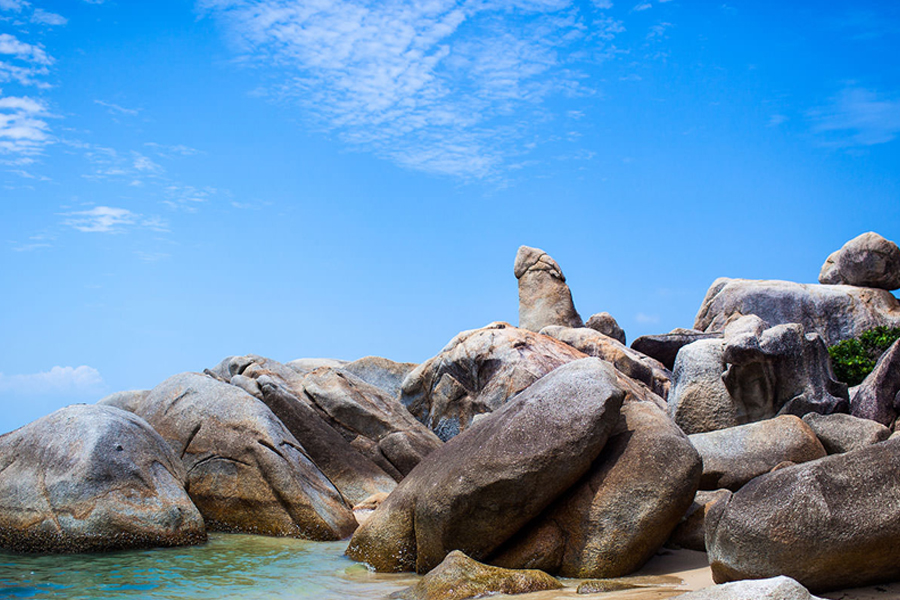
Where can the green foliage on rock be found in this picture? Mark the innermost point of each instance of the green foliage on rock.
(853, 359)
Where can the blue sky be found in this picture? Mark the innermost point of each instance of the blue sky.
(183, 181)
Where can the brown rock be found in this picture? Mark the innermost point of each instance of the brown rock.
(867, 260)
(843, 433)
(544, 297)
(481, 487)
(878, 396)
(691, 531)
(606, 324)
(622, 511)
(459, 577)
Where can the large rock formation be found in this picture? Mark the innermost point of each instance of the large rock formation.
(459, 577)
(90, 478)
(245, 471)
(831, 523)
(836, 312)
(544, 297)
(734, 456)
(665, 347)
(753, 373)
(485, 484)
(842, 433)
(867, 260)
(878, 396)
(629, 362)
(477, 372)
(622, 511)
(375, 424)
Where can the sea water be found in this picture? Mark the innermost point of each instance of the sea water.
(228, 566)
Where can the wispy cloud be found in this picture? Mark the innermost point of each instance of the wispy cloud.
(13, 5)
(43, 17)
(858, 117)
(101, 219)
(445, 86)
(11, 45)
(79, 381)
(169, 151)
(642, 7)
(115, 109)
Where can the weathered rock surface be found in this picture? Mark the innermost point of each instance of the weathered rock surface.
(459, 577)
(477, 372)
(90, 478)
(734, 456)
(830, 524)
(842, 433)
(867, 260)
(836, 312)
(245, 471)
(606, 324)
(616, 518)
(779, 369)
(878, 396)
(480, 488)
(305, 365)
(363, 510)
(544, 297)
(384, 374)
(665, 347)
(699, 400)
(691, 531)
(775, 588)
(630, 362)
(124, 400)
(373, 423)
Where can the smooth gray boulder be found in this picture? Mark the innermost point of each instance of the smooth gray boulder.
(836, 312)
(91, 478)
(699, 400)
(606, 324)
(459, 577)
(544, 297)
(779, 370)
(878, 396)
(690, 532)
(631, 363)
(485, 484)
(831, 523)
(384, 374)
(477, 372)
(867, 260)
(664, 347)
(734, 456)
(774, 588)
(842, 433)
(245, 471)
(622, 511)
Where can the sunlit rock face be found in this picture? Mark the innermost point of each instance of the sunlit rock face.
(90, 478)
(867, 260)
(544, 297)
(477, 372)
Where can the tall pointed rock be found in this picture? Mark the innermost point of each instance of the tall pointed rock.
(544, 297)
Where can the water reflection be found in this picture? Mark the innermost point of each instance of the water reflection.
(231, 566)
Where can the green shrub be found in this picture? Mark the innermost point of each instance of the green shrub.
(852, 360)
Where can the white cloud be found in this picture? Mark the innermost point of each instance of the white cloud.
(858, 117)
(168, 150)
(101, 219)
(115, 109)
(22, 128)
(145, 165)
(444, 86)
(603, 4)
(643, 6)
(9, 44)
(47, 18)
(79, 381)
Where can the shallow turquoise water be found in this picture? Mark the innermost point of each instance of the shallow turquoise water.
(228, 566)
